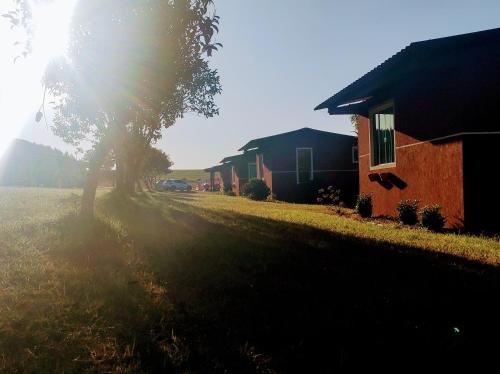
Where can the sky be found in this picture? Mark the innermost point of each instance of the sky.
(280, 59)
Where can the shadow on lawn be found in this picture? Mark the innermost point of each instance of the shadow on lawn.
(243, 294)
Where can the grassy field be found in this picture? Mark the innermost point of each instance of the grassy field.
(199, 282)
(191, 176)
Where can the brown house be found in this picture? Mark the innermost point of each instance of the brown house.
(296, 164)
(241, 168)
(223, 174)
(427, 129)
(215, 176)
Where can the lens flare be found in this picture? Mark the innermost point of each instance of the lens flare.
(21, 92)
(51, 26)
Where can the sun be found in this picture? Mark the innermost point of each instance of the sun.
(21, 92)
(51, 28)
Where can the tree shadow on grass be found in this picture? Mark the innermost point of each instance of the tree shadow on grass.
(157, 285)
(248, 294)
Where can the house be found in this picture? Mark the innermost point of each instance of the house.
(427, 128)
(219, 174)
(215, 177)
(296, 164)
(242, 168)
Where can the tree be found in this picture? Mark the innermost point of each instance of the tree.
(156, 163)
(134, 67)
(354, 122)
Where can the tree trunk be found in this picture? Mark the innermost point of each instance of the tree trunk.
(125, 171)
(130, 179)
(89, 189)
(149, 183)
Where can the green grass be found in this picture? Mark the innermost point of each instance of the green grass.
(200, 282)
(191, 176)
(480, 249)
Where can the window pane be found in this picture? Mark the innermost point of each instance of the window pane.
(304, 165)
(382, 131)
(252, 171)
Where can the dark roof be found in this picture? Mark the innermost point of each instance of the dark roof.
(213, 168)
(416, 57)
(269, 140)
(229, 159)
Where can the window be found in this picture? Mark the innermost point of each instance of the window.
(304, 165)
(382, 136)
(252, 170)
(261, 166)
(355, 154)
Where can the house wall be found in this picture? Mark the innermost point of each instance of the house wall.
(268, 176)
(332, 166)
(215, 181)
(240, 177)
(482, 204)
(235, 179)
(225, 175)
(441, 156)
(431, 172)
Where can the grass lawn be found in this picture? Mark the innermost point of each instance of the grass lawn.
(200, 282)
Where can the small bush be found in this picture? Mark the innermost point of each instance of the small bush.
(407, 212)
(330, 196)
(256, 189)
(431, 217)
(229, 193)
(364, 205)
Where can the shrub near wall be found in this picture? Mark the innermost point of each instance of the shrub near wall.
(364, 205)
(407, 212)
(330, 196)
(256, 189)
(431, 217)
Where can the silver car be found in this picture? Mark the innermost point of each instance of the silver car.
(176, 185)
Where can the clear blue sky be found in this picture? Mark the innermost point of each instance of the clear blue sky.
(283, 57)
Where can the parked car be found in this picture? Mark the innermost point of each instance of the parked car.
(175, 185)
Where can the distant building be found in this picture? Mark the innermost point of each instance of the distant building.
(216, 179)
(242, 168)
(296, 164)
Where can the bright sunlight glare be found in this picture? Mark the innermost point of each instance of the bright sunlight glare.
(21, 90)
(52, 22)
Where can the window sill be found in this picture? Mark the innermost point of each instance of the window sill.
(383, 166)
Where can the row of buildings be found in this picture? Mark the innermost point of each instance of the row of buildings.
(294, 165)
(427, 130)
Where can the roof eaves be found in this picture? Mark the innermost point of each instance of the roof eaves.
(346, 95)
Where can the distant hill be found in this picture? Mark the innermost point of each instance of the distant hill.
(35, 165)
(190, 175)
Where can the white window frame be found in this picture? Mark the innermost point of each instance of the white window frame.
(355, 156)
(311, 177)
(373, 110)
(255, 164)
